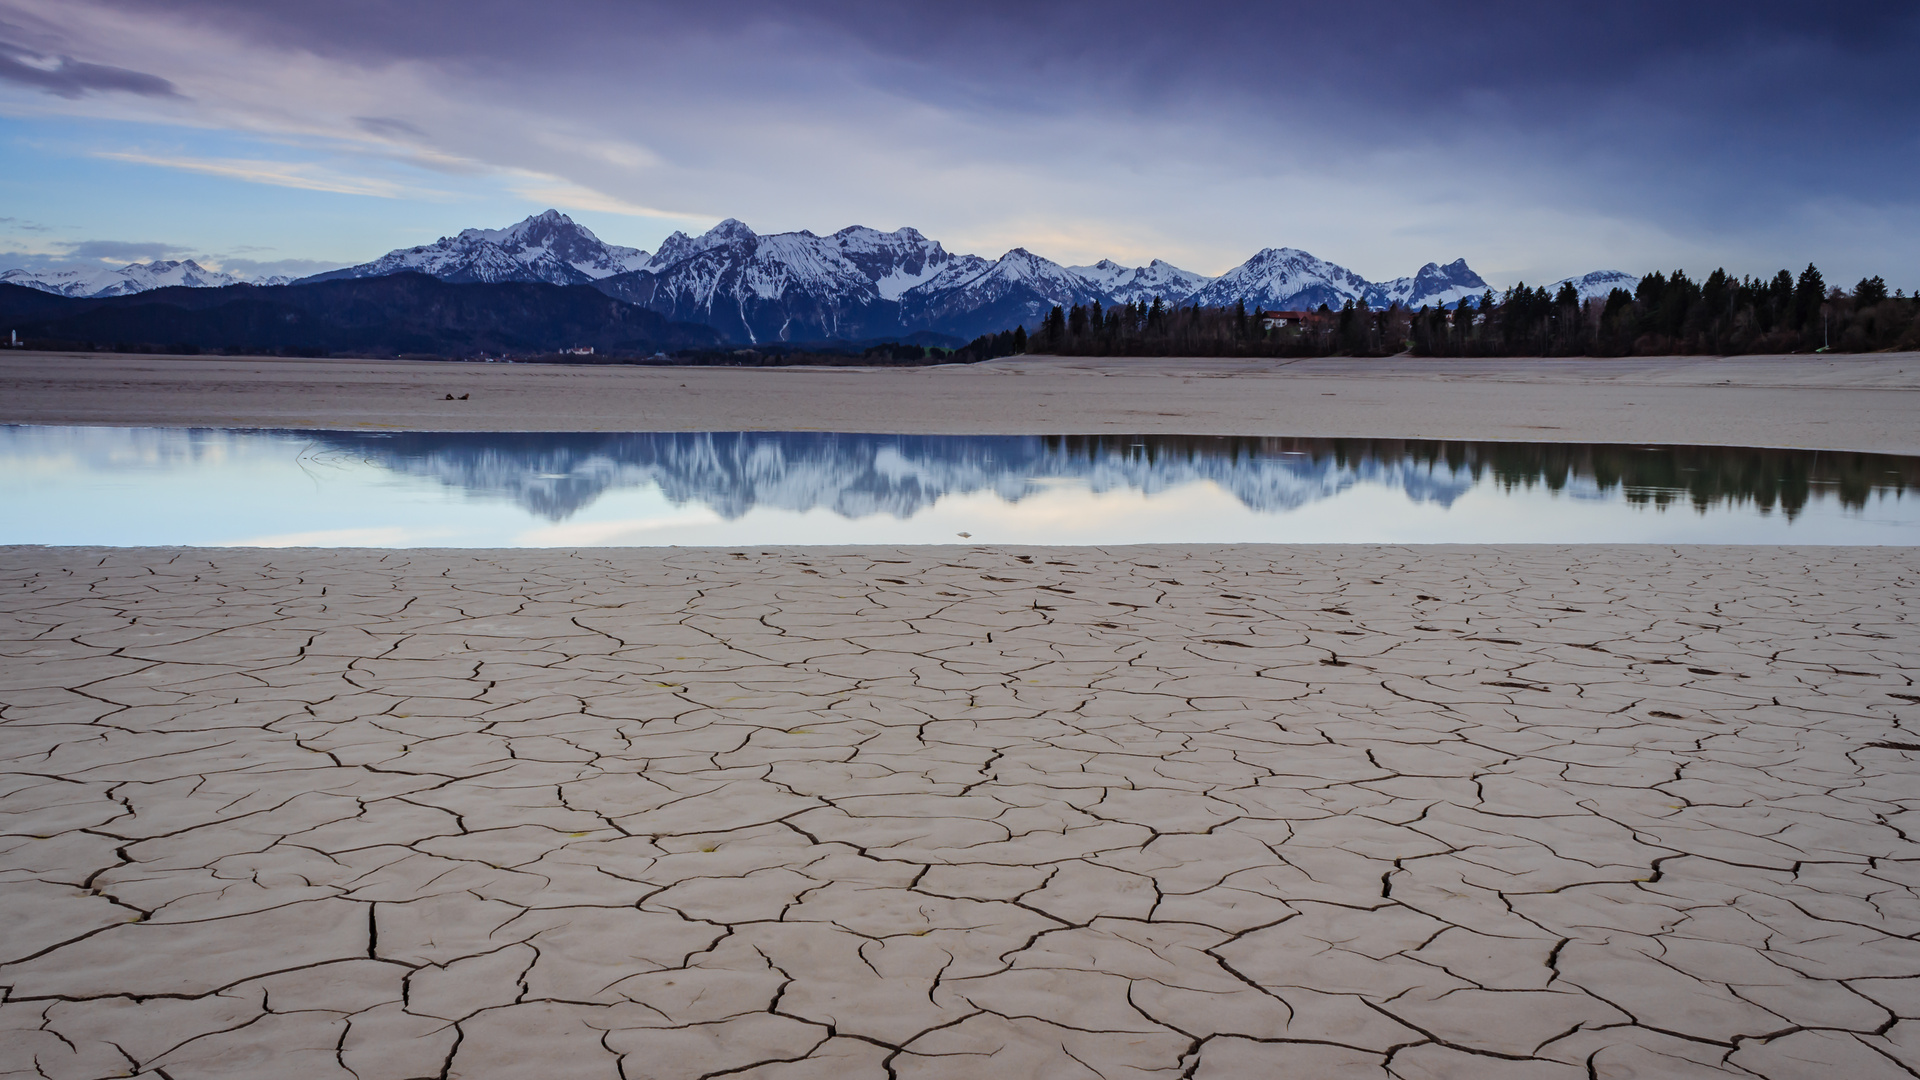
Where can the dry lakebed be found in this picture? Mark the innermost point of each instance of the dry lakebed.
(1488, 812)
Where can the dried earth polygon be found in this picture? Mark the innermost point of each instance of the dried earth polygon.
(1527, 812)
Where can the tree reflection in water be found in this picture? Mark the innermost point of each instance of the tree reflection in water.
(1658, 476)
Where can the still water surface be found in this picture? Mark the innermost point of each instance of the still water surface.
(139, 486)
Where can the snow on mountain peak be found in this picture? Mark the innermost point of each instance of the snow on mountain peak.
(1142, 284)
(1104, 273)
(729, 233)
(1285, 279)
(1044, 276)
(972, 295)
(894, 261)
(1018, 263)
(548, 247)
(1597, 284)
(1432, 286)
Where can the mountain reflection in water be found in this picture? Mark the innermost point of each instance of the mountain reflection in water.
(556, 475)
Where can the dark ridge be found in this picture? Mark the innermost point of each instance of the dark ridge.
(400, 314)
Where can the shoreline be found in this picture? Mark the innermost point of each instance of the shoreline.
(1862, 404)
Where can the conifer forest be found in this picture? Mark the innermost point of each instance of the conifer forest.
(1665, 314)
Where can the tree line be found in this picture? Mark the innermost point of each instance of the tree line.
(1665, 314)
(1672, 313)
(1159, 329)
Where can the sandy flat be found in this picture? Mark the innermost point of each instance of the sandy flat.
(944, 812)
(1869, 403)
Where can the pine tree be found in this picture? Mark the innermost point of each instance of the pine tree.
(1779, 303)
(1808, 294)
(1053, 331)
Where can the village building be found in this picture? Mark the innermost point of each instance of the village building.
(1273, 320)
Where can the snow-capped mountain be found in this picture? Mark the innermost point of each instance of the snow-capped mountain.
(855, 283)
(1433, 286)
(895, 261)
(1286, 279)
(680, 247)
(1597, 284)
(122, 280)
(860, 282)
(1019, 288)
(1141, 284)
(547, 247)
(784, 287)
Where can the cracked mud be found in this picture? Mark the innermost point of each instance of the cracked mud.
(1481, 813)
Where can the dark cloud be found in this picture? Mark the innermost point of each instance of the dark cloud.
(63, 76)
(1767, 131)
(1757, 96)
(388, 127)
(24, 260)
(39, 261)
(123, 250)
(1391, 58)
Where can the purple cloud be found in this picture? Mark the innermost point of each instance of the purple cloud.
(1533, 138)
(63, 76)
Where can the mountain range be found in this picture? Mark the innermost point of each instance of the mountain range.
(128, 279)
(855, 284)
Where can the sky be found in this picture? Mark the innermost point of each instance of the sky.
(1536, 140)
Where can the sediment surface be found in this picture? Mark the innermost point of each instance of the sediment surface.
(944, 812)
(1867, 403)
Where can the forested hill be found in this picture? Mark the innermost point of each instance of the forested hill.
(374, 317)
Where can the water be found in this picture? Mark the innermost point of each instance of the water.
(141, 486)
